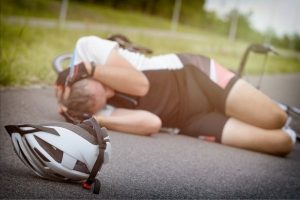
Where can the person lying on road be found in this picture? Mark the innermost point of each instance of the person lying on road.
(190, 92)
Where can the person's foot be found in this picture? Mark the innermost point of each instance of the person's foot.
(293, 121)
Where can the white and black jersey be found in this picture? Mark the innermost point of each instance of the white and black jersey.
(187, 91)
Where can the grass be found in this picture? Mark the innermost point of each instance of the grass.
(27, 52)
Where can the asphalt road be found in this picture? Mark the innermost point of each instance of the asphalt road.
(158, 167)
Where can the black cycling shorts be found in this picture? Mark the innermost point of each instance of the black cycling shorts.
(215, 83)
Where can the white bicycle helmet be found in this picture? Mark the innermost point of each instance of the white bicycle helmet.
(63, 151)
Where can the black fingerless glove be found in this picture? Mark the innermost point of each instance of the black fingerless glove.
(71, 75)
(77, 73)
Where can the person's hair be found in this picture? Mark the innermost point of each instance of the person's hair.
(81, 98)
(125, 43)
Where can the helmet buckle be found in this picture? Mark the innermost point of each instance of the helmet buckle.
(86, 186)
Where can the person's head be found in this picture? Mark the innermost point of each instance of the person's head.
(88, 96)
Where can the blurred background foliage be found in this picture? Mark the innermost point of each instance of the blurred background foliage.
(27, 50)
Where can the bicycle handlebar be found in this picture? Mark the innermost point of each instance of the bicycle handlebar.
(57, 62)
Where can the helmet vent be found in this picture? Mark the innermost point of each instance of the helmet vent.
(81, 167)
(54, 152)
(37, 153)
(24, 156)
(41, 155)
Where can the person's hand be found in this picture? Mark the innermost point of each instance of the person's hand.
(69, 76)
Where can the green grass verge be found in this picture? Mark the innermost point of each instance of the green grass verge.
(27, 52)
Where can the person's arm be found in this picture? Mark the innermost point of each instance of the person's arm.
(120, 75)
(139, 122)
(117, 73)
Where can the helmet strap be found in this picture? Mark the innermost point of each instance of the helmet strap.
(99, 134)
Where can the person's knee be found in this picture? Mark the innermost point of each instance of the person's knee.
(283, 146)
(276, 119)
(154, 125)
(246, 103)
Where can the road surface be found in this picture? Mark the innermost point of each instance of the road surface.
(159, 167)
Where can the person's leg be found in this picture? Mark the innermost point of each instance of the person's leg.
(250, 105)
(205, 125)
(233, 132)
(242, 135)
(235, 97)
